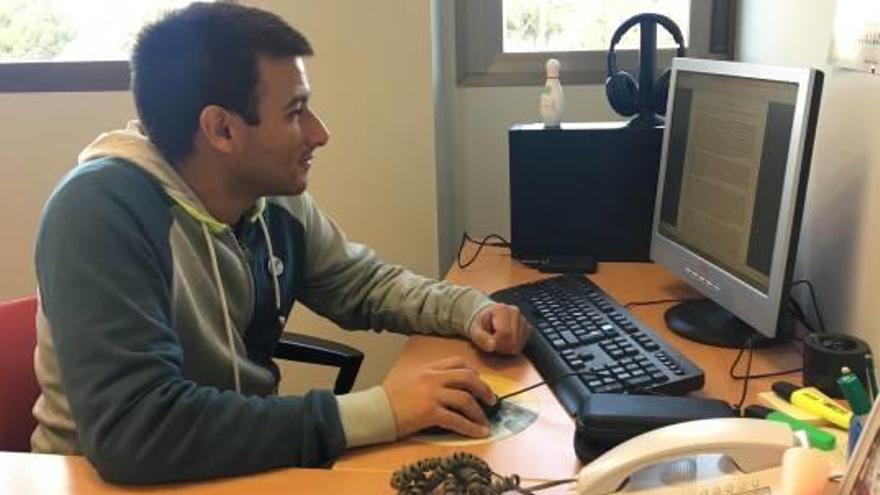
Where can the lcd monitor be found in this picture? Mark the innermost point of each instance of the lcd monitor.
(733, 176)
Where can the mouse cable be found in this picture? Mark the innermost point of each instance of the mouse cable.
(465, 238)
(595, 374)
(814, 300)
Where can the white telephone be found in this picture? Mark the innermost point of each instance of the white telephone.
(706, 457)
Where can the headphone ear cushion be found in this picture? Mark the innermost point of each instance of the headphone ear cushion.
(623, 93)
(661, 93)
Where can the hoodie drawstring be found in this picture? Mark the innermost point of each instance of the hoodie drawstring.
(273, 270)
(227, 320)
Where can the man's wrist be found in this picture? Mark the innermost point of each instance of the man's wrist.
(467, 331)
(367, 417)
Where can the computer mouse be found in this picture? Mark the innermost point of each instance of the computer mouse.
(491, 413)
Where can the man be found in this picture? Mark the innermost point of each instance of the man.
(169, 258)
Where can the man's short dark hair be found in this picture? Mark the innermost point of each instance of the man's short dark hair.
(204, 54)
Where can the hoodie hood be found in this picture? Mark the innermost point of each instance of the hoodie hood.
(133, 145)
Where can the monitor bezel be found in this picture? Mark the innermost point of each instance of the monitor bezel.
(759, 310)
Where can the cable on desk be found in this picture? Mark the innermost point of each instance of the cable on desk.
(798, 313)
(745, 389)
(595, 374)
(656, 301)
(748, 375)
(465, 238)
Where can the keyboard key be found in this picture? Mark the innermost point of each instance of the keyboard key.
(585, 356)
(569, 337)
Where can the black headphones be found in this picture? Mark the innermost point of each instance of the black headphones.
(621, 88)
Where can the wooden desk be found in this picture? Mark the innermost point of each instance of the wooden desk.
(544, 450)
(541, 452)
(634, 282)
(40, 474)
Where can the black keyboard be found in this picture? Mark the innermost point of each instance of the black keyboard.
(581, 329)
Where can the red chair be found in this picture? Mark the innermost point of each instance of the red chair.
(18, 383)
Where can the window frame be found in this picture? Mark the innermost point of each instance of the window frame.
(481, 60)
(66, 75)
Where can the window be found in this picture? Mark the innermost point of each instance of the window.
(71, 45)
(506, 42)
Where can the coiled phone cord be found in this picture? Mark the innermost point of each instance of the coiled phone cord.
(458, 474)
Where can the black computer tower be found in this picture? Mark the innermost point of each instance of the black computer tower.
(583, 189)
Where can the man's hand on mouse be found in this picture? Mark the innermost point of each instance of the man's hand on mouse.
(443, 393)
(500, 328)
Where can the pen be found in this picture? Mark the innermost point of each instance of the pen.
(818, 438)
(854, 392)
(858, 400)
(811, 399)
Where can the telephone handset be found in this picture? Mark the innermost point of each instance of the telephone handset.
(751, 444)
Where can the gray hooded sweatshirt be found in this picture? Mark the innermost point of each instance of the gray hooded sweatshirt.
(157, 323)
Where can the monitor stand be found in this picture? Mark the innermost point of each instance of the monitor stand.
(704, 321)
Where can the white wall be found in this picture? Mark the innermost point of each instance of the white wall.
(841, 236)
(372, 84)
(480, 118)
(40, 137)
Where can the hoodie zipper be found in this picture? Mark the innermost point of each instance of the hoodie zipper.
(245, 255)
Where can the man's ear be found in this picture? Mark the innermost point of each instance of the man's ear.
(217, 126)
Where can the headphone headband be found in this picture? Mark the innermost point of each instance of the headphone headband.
(668, 24)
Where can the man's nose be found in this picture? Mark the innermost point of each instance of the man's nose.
(318, 135)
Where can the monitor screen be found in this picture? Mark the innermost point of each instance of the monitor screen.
(733, 172)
